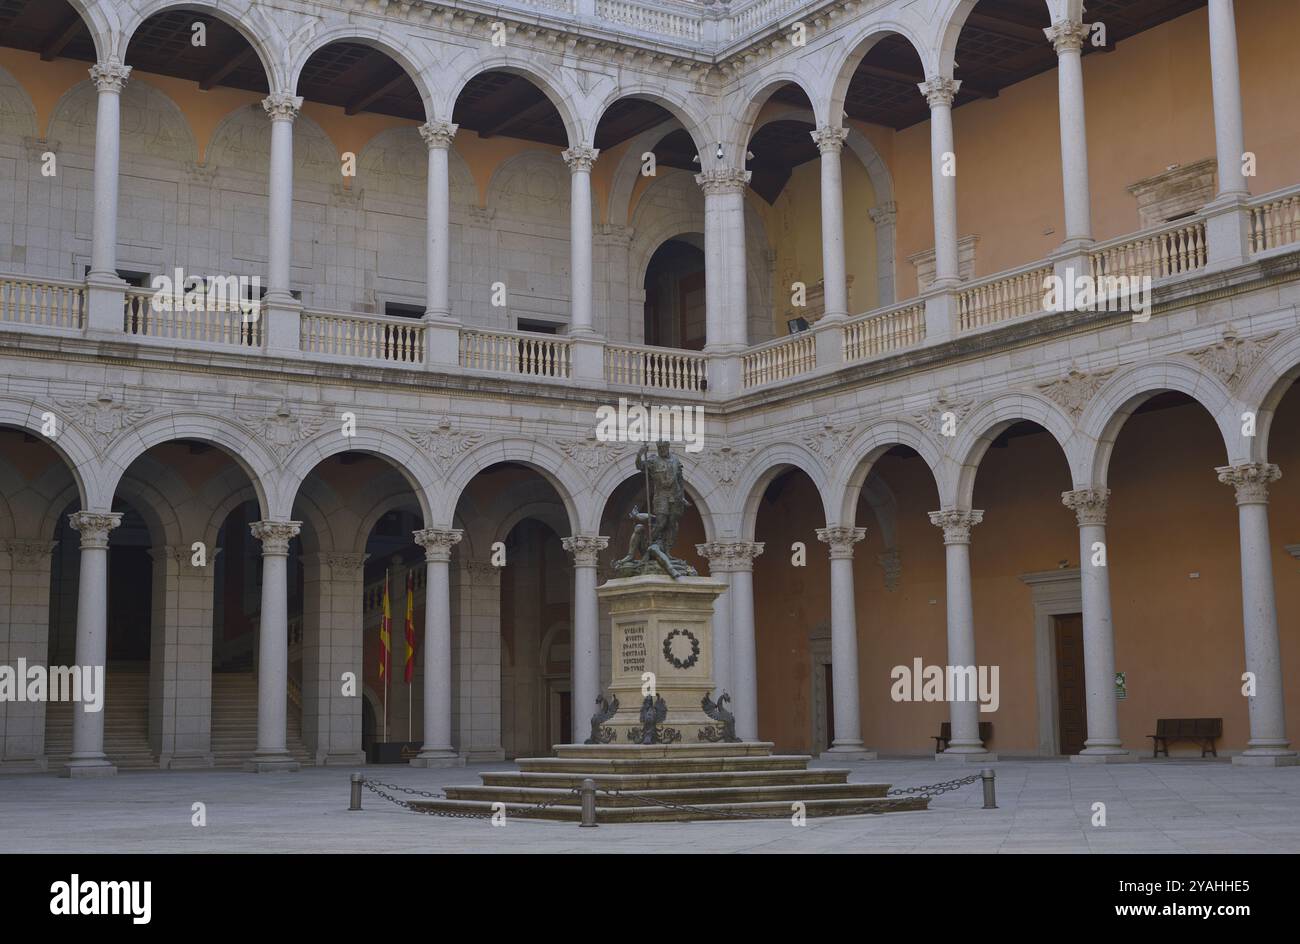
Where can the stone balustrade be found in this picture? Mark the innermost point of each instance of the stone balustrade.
(363, 337)
(49, 303)
(777, 360)
(516, 352)
(1172, 250)
(1001, 298)
(655, 368)
(883, 332)
(1275, 221)
(197, 320)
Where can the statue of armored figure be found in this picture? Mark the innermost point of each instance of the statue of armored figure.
(651, 549)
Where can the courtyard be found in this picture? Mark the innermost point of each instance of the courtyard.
(1044, 806)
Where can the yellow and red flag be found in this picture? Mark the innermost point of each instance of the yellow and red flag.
(410, 626)
(385, 631)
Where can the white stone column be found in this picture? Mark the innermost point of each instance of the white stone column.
(719, 556)
(744, 647)
(830, 141)
(726, 280)
(279, 309)
(437, 750)
(956, 524)
(438, 136)
(1269, 745)
(272, 754)
(714, 333)
(844, 644)
(940, 91)
(1225, 84)
(1068, 37)
(585, 549)
(580, 160)
(1103, 743)
(109, 78)
(88, 758)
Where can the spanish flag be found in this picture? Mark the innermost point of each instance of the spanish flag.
(385, 631)
(410, 626)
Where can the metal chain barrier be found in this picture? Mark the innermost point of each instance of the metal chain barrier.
(377, 788)
(935, 789)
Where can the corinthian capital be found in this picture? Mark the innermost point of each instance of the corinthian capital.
(1250, 479)
(1088, 504)
(1066, 35)
(438, 134)
(282, 106)
(580, 157)
(723, 180)
(956, 523)
(829, 140)
(275, 535)
(438, 542)
(94, 526)
(585, 548)
(939, 89)
(841, 540)
(110, 76)
(726, 556)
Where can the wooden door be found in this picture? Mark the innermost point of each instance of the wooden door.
(1070, 689)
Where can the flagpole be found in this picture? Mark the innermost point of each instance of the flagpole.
(383, 656)
(410, 685)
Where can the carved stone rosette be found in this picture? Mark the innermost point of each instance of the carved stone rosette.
(727, 556)
(282, 106)
(939, 90)
(438, 542)
(723, 180)
(829, 140)
(110, 76)
(1066, 35)
(438, 134)
(956, 523)
(1250, 479)
(275, 536)
(1088, 504)
(580, 158)
(585, 548)
(94, 526)
(841, 540)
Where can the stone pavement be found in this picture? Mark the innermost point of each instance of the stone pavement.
(1044, 806)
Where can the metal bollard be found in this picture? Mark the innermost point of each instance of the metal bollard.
(990, 795)
(356, 794)
(588, 794)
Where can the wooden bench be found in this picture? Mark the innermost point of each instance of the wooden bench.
(945, 735)
(1205, 730)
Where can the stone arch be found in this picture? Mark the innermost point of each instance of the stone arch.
(628, 172)
(541, 74)
(399, 154)
(148, 115)
(70, 445)
(540, 177)
(545, 512)
(241, 143)
(400, 453)
(158, 510)
(248, 17)
(617, 473)
(378, 509)
(234, 440)
(770, 462)
(860, 455)
(1106, 414)
(537, 455)
(1264, 387)
(685, 114)
(742, 125)
(977, 432)
(17, 110)
(414, 62)
(221, 511)
(860, 42)
(102, 23)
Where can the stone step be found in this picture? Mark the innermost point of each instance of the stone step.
(707, 812)
(653, 751)
(697, 796)
(666, 765)
(667, 781)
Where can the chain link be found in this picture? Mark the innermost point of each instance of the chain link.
(935, 789)
(374, 787)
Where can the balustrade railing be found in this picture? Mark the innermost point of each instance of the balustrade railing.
(777, 360)
(884, 332)
(537, 355)
(149, 315)
(660, 369)
(649, 19)
(1175, 250)
(47, 302)
(365, 337)
(1275, 222)
(1001, 298)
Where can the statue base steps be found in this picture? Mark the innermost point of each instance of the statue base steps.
(659, 783)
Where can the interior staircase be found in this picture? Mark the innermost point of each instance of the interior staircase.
(234, 721)
(696, 781)
(126, 720)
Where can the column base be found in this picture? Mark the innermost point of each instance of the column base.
(272, 764)
(186, 762)
(88, 767)
(342, 759)
(1105, 755)
(848, 752)
(952, 756)
(438, 758)
(1281, 759)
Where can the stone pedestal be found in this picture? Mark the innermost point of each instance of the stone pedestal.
(665, 627)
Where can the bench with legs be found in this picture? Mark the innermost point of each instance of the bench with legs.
(1204, 730)
(945, 735)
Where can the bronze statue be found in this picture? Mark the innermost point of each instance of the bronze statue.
(651, 547)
